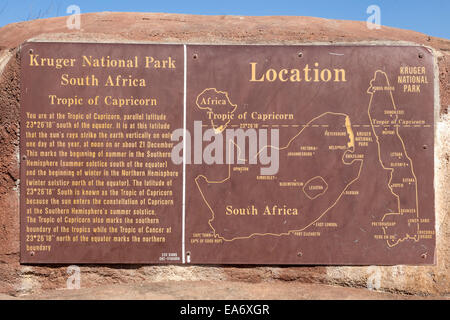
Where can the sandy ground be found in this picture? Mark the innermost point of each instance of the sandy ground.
(217, 290)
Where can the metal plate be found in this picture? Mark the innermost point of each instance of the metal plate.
(355, 156)
(120, 190)
(353, 183)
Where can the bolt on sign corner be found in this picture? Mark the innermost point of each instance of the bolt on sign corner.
(227, 154)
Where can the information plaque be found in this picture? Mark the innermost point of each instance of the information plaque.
(227, 154)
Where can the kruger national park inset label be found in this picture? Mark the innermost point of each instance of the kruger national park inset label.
(227, 154)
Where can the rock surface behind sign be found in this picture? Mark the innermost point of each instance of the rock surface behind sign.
(16, 279)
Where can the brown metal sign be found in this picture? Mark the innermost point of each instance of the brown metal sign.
(227, 154)
(98, 185)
